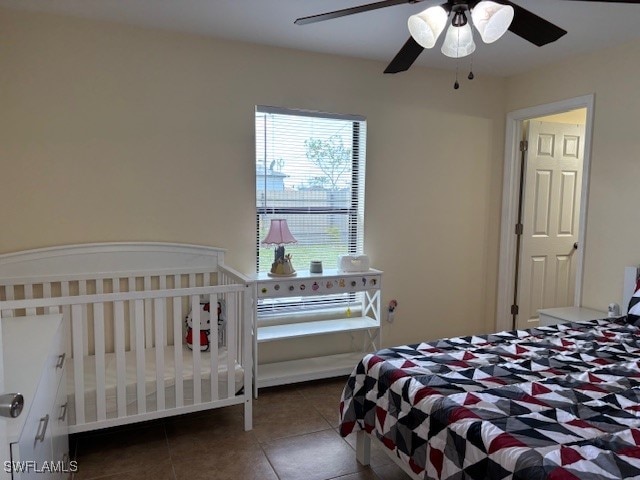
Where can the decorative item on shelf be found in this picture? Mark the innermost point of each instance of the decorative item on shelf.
(315, 266)
(353, 263)
(279, 235)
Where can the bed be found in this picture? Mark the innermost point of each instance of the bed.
(126, 306)
(556, 402)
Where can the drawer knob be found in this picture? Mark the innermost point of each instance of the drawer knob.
(11, 404)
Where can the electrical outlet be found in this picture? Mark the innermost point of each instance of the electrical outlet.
(391, 316)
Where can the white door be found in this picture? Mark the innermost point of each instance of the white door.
(551, 212)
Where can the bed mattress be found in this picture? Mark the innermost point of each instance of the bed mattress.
(90, 381)
(557, 402)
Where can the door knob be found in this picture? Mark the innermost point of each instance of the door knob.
(11, 404)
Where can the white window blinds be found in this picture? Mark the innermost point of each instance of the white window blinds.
(310, 170)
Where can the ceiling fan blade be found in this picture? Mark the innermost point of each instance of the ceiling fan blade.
(405, 57)
(606, 1)
(350, 11)
(533, 28)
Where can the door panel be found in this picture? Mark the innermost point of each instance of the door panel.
(568, 203)
(537, 284)
(543, 203)
(551, 210)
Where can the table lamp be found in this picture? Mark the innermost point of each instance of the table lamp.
(279, 235)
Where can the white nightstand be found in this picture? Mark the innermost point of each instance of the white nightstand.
(552, 316)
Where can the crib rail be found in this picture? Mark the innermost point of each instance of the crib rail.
(129, 358)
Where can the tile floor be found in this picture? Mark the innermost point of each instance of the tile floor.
(294, 437)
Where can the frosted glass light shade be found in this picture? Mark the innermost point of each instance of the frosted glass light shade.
(425, 27)
(492, 20)
(458, 42)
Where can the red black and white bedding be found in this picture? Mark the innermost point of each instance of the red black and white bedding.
(558, 402)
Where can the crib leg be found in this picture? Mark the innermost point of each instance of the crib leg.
(248, 414)
(363, 448)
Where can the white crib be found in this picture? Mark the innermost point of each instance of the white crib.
(126, 304)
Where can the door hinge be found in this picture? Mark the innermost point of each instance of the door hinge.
(514, 309)
(524, 145)
(519, 228)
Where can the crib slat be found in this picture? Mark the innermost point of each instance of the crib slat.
(131, 287)
(121, 370)
(82, 290)
(9, 294)
(192, 280)
(195, 325)
(46, 293)
(141, 367)
(167, 330)
(177, 350)
(66, 313)
(78, 363)
(158, 310)
(28, 294)
(148, 325)
(99, 339)
(232, 324)
(213, 322)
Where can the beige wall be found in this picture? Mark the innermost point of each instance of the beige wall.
(115, 133)
(612, 75)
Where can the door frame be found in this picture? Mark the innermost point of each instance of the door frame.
(510, 193)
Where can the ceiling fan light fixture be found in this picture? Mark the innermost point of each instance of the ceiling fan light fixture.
(458, 42)
(425, 27)
(492, 20)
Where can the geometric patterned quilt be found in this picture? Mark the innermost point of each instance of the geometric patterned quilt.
(557, 402)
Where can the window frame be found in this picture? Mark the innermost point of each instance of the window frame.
(353, 212)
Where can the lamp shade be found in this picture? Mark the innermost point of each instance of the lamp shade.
(492, 20)
(279, 233)
(458, 41)
(425, 27)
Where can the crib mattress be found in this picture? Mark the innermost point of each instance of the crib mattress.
(90, 380)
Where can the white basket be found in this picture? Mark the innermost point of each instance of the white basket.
(353, 263)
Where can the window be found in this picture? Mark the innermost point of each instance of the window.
(310, 170)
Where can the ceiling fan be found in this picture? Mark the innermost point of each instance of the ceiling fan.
(514, 18)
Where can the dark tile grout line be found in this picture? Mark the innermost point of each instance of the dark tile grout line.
(166, 441)
(261, 444)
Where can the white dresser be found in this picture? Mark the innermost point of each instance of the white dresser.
(552, 316)
(34, 362)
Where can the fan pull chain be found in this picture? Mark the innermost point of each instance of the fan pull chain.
(456, 85)
(471, 76)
